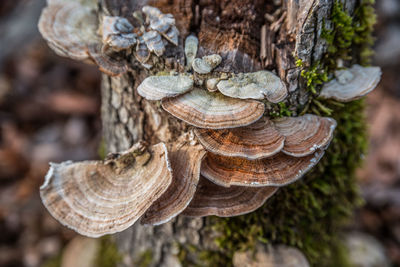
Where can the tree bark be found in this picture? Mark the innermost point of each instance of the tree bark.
(249, 35)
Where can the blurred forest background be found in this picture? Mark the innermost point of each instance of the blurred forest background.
(50, 111)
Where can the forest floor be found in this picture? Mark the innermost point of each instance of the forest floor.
(49, 111)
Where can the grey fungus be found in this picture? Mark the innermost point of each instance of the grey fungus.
(95, 198)
(254, 85)
(206, 64)
(60, 23)
(159, 87)
(118, 33)
(191, 46)
(154, 42)
(352, 84)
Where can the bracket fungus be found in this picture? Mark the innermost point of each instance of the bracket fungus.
(211, 199)
(107, 64)
(191, 46)
(278, 170)
(60, 25)
(212, 110)
(305, 134)
(258, 140)
(96, 198)
(352, 84)
(159, 87)
(206, 64)
(185, 156)
(118, 33)
(254, 85)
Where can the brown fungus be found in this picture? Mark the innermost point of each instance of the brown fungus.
(213, 110)
(305, 134)
(258, 140)
(278, 170)
(95, 198)
(106, 63)
(211, 199)
(185, 156)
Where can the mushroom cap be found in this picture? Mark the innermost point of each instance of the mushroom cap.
(206, 64)
(185, 158)
(258, 140)
(305, 134)
(172, 35)
(204, 109)
(60, 25)
(211, 199)
(159, 87)
(142, 53)
(109, 65)
(351, 84)
(278, 170)
(162, 23)
(95, 198)
(254, 85)
(154, 42)
(151, 12)
(118, 33)
(191, 46)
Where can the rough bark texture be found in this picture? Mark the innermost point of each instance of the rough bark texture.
(249, 35)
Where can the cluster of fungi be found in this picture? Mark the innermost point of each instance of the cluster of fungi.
(230, 161)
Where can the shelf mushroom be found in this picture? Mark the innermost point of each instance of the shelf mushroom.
(206, 64)
(352, 84)
(258, 140)
(107, 64)
(305, 134)
(60, 23)
(95, 198)
(254, 85)
(118, 33)
(204, 109)
(211, 199)
(278, 170)
(185, 156)
(159, 87)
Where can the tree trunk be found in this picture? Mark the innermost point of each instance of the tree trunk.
(249, 35)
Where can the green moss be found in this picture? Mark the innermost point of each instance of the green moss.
(108, 255)
(53, 262)
(279, 110)
(144, 259)
(365, 19)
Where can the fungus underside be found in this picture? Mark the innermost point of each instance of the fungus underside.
(309, 213)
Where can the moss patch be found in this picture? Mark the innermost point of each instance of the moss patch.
(144, 259)
(108, 255)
